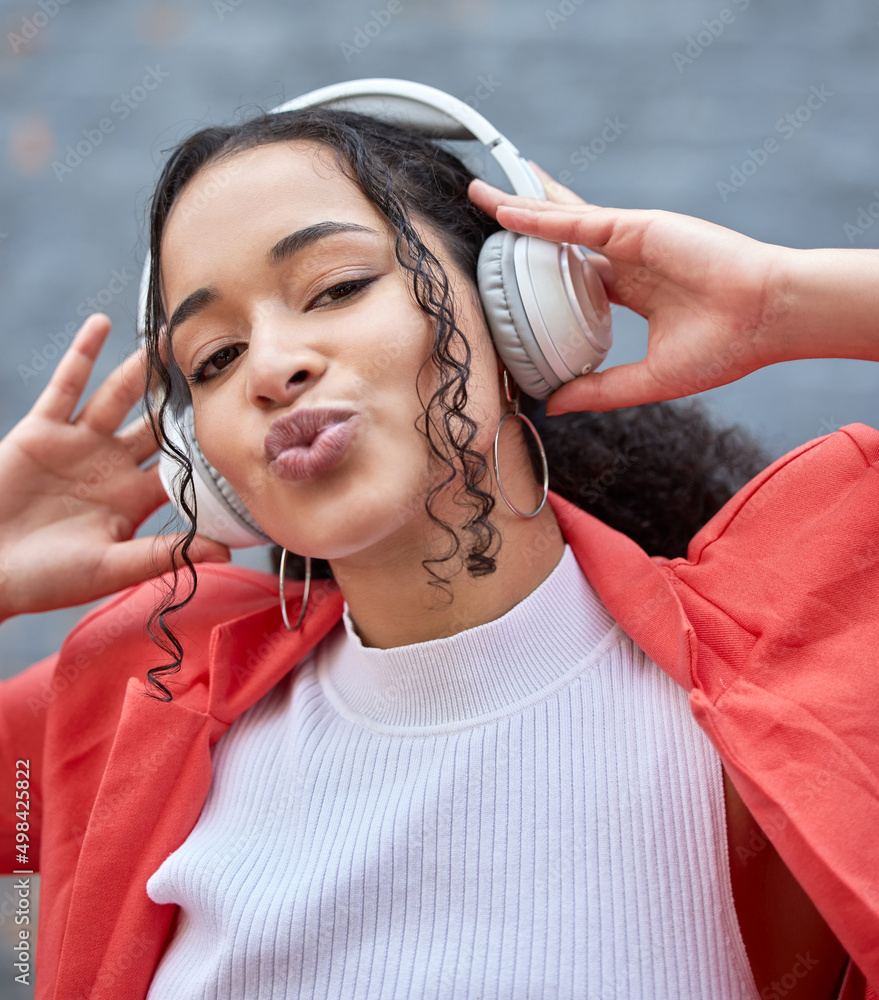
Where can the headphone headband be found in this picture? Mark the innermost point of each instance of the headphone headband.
(417, 106)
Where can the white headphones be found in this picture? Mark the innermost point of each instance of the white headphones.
(544, 303)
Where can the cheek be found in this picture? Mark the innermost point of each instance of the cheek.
(390, 370)
(218, 432)
(396, 341)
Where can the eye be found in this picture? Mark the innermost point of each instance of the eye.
(219, 360)
(344, 290)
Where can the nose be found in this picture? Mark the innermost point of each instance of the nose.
(281, 366)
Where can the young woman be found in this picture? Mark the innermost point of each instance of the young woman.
(472, 770)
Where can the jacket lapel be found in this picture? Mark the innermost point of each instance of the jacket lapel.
(634, 589)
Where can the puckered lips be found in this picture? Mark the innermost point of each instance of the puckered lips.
(305, 443)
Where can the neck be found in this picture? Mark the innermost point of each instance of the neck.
(392, 603)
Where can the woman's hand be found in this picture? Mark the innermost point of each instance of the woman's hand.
(713, 298)
(74, 493)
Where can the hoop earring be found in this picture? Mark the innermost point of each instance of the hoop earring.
(497, 472)
(304, 593)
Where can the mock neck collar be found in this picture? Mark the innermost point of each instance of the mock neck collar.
(248, 654)
(476, 675)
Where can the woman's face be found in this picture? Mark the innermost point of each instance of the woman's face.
(295, 301)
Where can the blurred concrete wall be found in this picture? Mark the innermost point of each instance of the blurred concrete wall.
(694, 89)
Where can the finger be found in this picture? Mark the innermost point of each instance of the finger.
(485, 196)
(60, 397)
(606, 272)
(612, 231)
(556, 191)
(488, 198)
(151, 493)
(132, 562)
(133, 495)
(137, 438)
(111, 402)
(623, 385)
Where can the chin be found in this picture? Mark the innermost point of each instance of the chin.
(348, 510)
(344, 527)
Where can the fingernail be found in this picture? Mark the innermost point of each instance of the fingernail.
(216, 557)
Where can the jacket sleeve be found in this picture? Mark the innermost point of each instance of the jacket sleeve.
(782, 591)
(23, 703)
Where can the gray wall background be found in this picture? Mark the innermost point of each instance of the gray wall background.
(695, 90)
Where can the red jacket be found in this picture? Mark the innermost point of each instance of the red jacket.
(771, 624)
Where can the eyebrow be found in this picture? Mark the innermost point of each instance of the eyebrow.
(283, 250)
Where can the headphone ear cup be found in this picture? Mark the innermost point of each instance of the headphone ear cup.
(547, 309)
(505, 312)
(221, 513)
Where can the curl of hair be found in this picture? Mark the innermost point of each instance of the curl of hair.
(657, 472)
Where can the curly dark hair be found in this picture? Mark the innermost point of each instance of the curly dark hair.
(656, 472)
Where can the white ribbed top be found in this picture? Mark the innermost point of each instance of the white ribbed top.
(523, 810)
